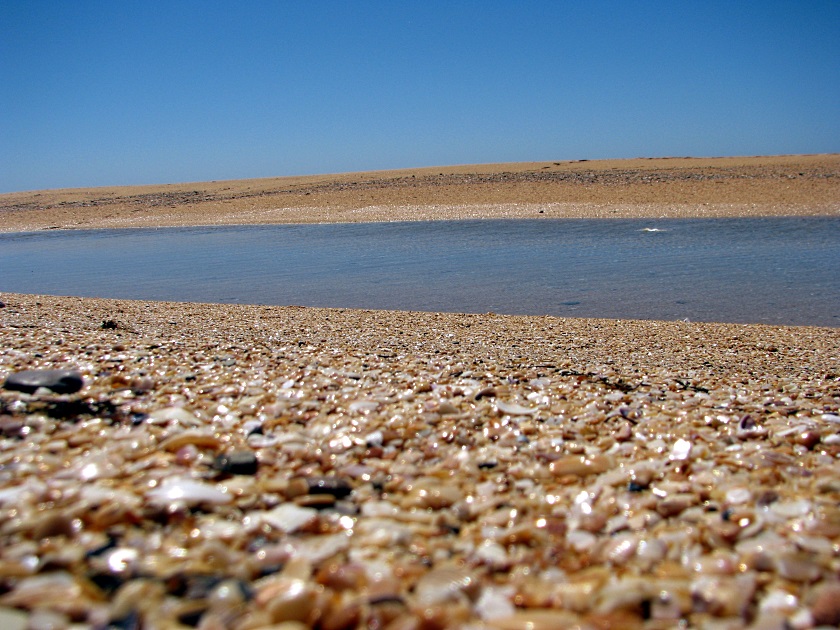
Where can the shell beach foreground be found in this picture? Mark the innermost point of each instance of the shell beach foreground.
(252, 466)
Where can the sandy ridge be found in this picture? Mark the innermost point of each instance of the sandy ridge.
(665, 187)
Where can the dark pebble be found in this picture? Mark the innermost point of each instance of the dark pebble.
(109, 584)
(131, 621)
(104, 547)
(335, 486)
(138, 418)
(191, 618)
(808, 439)
(2, 304)
(59, 381)
(487, 392)
(57, 524)
(237, 463)
(200, 586)
(11, 427)
(386, 599)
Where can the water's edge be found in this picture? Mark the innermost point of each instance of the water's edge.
(769, 270)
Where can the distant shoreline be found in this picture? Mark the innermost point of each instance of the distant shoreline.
(639, 188)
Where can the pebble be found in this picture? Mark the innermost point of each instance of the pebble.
(335, 486)
(237, 463)
(58, 381)
(826, 606)
(581, 465)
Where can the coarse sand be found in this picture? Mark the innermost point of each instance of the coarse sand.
(234, 466)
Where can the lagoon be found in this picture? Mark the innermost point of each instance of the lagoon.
(769, 270)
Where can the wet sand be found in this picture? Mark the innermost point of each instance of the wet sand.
(242, 467)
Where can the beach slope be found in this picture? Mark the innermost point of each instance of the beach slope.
(242, 466)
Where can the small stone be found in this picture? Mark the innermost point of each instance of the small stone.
(676, 504)
(199, 439)
(375, 438)
(808, 439)
(11, 427)
(487, 392)
(316, 501)
(538, 619)
(237, 463)
(436, 497)
(53, 524)
(826, 607)
(580, 465)
(288, 517)
(798, 567)
(58, 381)
(336, 486)
(447, 408)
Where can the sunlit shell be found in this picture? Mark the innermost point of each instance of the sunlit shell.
(187, 491)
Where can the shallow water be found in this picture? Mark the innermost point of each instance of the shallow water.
(774, 270)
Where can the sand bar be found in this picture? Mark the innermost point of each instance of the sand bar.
(663, 187)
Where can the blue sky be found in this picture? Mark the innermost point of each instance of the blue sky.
(107, 93)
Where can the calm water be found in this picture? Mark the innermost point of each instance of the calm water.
(779, 271)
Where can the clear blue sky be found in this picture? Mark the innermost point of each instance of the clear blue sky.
(131, 92)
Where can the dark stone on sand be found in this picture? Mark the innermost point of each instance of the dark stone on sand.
(237, 463)
(307, 488)
(335, 486)
(11, 427)
(58, 381)
(2, 304)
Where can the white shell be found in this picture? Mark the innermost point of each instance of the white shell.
(514, 410)
(187, 491)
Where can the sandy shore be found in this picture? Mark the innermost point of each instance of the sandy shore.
(234, 466)
(668, 187)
